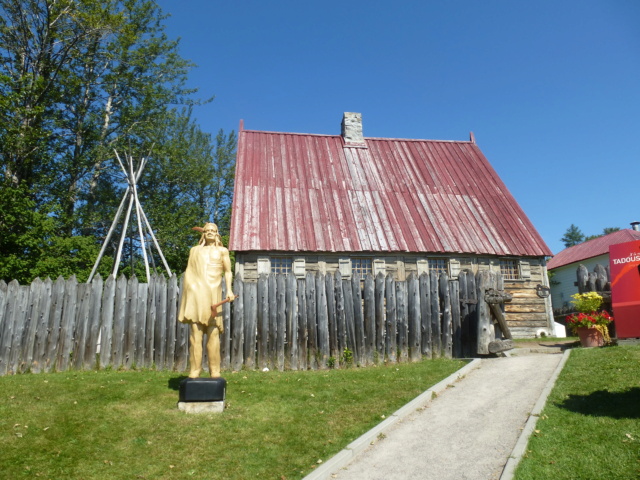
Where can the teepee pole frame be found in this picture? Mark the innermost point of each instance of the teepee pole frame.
(130, 194)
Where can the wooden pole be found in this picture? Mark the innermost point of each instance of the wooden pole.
(134, 189)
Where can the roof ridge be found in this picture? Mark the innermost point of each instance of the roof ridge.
(271, 132)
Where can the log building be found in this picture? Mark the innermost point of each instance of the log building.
(309, 202)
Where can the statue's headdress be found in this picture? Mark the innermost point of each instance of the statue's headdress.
(218, 240)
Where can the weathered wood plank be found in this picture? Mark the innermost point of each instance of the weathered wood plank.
(106, 327)
(369, 318)
(119, 322)
(391, 337)
(93, 326)
(486, 333)
(330, 288)
(81, 325)
(67, 326)
(358, 320)
(129, 345)
(302, 325)
(454, 293)
(182, 346)
(55, 319)
(498, 315)
(273, 321)
(602, 277)
(402, 319)
(31, 326)
(350, 327)
(41, 360)
(510, 308)
(522, 320)
(281, 321)
(341, 328)
(21, 326)
(263, 321)
(425, 315)
(3, 303)
(151, 317)
(225, 337)
(7, 328)
(292, 322)
(380, 327)
(470, 318)
(3, 319)
(237, 326)
(522, 294)
(323, 321)
(463, 297)
(447, 323)
(312, 322)
(140, 325)
(173, 299)
(413, 311)
(583, 279)
(498, 346)
(161, 324)
(250, 326)
(436, 321)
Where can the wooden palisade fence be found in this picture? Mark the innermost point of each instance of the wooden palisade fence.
(599, 281)
(280, 322)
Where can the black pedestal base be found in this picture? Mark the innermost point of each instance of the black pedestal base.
(203, 390)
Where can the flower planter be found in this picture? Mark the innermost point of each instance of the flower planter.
(590, 337)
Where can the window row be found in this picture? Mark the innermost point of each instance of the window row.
(511, 269)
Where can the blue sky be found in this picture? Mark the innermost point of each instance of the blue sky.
(551, 89)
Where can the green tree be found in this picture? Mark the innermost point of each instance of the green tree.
(573, 236)
(605, 231)
(78, 80)
(30, 246)
(224, 163)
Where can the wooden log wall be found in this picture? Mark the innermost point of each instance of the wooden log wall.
(325, 320)
(279, 322)
(119, 323)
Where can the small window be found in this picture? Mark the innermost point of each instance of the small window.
(509, 269)
(361, 266)
(281, 265)
(438, 265)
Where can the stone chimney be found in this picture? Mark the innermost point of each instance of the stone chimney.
(352, 129)
(635, 226)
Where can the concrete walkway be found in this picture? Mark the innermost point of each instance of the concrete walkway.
(478, 420)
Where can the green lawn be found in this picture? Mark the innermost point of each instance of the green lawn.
(125, 425)
(590, 427)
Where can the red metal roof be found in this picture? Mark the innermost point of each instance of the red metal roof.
(312, 193)
(592, 248)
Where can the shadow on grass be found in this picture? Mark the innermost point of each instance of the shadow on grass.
(606, 404)
(174, 383)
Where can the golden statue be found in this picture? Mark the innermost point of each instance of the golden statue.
(202, 298)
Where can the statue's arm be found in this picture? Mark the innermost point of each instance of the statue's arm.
(228, 274)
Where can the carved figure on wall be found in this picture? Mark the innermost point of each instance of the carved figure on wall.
(202, 297)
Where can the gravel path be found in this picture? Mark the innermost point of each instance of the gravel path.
(466, 433)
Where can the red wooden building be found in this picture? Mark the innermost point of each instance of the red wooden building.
(309, 202)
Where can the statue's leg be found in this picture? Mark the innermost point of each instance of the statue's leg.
(213, 350)
(195, 349)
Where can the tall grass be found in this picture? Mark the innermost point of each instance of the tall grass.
(125, 425)
(590, 427)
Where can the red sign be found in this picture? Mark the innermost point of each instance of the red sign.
(624, 264)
